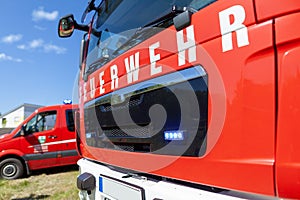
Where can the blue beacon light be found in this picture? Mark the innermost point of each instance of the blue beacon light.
(173, 135)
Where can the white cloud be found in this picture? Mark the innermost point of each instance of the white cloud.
(36, 43)
(40, 14)
(4, 57)
(56, 49)
(32, 44)
(40, 44)
(40, 28)
(22, 46)
(12, 38)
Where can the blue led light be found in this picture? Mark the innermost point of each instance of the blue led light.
(167, 136)
(67, 101)
(174, 135)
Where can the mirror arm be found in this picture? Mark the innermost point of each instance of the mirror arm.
(81, 27)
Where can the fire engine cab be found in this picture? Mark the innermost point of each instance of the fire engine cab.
(188, 99)
(45, 139)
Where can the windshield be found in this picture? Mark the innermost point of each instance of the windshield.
(121, 24)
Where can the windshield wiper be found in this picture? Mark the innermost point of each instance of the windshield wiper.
(175, 10)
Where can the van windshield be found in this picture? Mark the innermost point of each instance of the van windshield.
(121, 24)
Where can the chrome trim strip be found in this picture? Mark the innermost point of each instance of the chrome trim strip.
(120, 96)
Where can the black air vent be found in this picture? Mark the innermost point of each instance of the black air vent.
(126, 125)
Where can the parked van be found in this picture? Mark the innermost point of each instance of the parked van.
(45, 139)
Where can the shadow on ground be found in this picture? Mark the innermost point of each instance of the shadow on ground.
(55, 170)
(33, 197)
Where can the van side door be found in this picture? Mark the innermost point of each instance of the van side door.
(41, 134)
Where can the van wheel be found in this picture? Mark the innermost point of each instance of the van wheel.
(11, 168)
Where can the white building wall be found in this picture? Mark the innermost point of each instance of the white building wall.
(17, 116)
(12, 119)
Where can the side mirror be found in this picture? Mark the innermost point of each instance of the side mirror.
(66, 26)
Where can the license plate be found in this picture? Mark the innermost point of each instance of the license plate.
(118, 189)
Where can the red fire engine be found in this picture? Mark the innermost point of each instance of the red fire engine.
(189, 99)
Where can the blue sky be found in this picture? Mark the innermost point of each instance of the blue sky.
(36, 66)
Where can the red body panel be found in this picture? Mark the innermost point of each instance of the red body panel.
(288, 139)
(249, 147)
(268, 9)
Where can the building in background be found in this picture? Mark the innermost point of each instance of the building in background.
(14, 117)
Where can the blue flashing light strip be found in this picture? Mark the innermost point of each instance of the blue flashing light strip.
(100, 184)
(174, 135)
